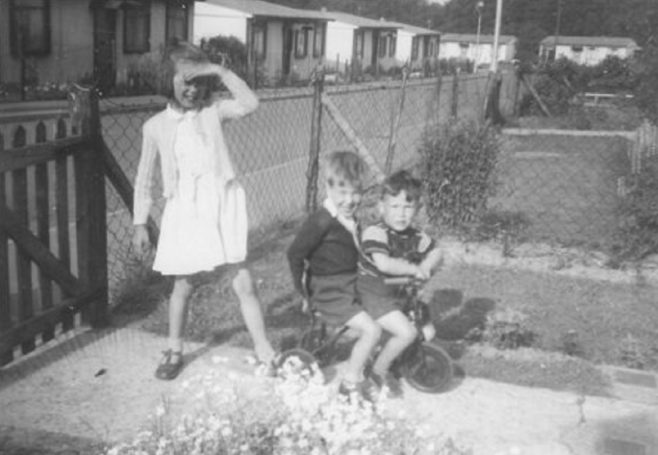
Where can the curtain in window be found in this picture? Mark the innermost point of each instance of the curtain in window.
(136, 28)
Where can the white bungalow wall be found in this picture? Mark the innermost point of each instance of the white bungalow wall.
(339, 45)
(590, 55)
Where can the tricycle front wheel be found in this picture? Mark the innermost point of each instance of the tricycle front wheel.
(428, 369)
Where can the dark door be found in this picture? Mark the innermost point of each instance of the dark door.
(374, 58)
(105, 25)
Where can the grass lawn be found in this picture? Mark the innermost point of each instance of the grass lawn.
(595, 321)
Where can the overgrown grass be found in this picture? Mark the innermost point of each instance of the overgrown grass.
(582, 322)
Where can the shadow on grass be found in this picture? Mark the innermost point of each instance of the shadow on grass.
(454, 318)
(15, 441)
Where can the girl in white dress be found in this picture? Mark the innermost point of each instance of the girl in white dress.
(204, 224)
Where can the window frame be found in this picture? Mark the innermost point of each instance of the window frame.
(359, 43)
(318, 35)
(45, 46)
(392, 44)
(145, 47)
(177, 6)
(415, 47)
(301, 33)
(382, 45)
(259, 28)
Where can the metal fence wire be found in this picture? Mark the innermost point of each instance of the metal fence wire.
(567, 187)
(270, 147)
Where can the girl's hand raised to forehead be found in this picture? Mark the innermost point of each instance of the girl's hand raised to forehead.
(189, 70)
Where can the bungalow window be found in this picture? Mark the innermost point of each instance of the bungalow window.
(381, 46)
(136, 28)
(577, 48)
(415, 46)
(301, 42)
(430, 51)
(29, 27)
(392, 44)
(318, 41)
(358, 43)
(177, 17)
(259, 39)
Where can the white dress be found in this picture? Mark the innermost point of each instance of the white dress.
(204, 222)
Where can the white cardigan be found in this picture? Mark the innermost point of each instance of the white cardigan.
(158, 136)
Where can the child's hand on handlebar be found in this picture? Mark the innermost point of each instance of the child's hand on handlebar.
(421, 273)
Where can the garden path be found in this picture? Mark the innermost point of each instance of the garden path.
(99, 386)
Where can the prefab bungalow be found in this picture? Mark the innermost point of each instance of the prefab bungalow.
(283, 44)
(586, 50)
(417, 46)
(477, 48)
(67, 40)
(356, 43)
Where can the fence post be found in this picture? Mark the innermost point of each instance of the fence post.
(316, 135)
(395, 123)
(454, 100)
(434, 103)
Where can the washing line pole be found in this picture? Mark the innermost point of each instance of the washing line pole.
(494, 54)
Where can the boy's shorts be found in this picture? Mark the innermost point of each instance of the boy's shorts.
(334, 298)
(378, 298)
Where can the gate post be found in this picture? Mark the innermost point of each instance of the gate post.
(91, 215)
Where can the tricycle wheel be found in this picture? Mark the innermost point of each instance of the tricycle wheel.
(428, 369)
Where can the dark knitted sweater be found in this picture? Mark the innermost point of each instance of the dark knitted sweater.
(325, 245)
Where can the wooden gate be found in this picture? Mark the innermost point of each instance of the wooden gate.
(53, 255)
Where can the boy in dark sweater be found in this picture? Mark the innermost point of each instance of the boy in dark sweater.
(323, 261)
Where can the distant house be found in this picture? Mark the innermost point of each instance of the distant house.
(586, 50)
(417, 46)
(282, 43)
(62, 41)
(477, 49)
(359, 42)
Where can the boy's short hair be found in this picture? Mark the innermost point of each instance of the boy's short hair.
(345, 167)
(402, 181)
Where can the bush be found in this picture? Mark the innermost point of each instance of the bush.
(227, 50)
(457, 167)
(646, 90)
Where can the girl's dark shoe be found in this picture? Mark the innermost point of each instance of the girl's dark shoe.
(170, 365)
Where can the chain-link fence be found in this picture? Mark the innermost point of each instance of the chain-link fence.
(270, 147)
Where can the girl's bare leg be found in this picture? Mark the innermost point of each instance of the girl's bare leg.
(178, 312)
(253, 315)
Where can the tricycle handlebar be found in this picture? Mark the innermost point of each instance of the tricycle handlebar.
(402, 280)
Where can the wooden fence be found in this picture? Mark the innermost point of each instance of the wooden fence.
(53, 262)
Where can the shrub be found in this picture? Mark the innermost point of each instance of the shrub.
(457, 167)
(646, 90)
(227, 50)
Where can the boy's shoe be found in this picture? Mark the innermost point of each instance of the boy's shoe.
(170, 365)
(366, 389)
(389, 382)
